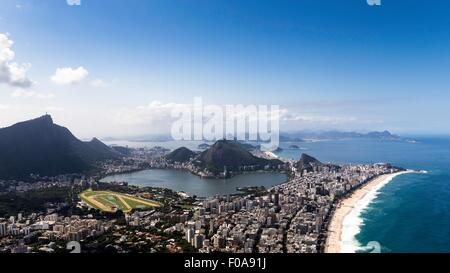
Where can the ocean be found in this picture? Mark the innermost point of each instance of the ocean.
(411, 213)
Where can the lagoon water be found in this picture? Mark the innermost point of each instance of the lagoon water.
(184, 181)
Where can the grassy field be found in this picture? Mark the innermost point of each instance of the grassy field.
(109, 201)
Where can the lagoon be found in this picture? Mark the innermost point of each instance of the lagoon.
(179, 180)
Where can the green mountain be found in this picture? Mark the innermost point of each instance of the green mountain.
(232, 156)
(180, 155)
(308, 163)
(41, 147)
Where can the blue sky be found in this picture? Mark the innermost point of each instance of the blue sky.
(331, 64)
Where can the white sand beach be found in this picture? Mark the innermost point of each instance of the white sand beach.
(345, 223)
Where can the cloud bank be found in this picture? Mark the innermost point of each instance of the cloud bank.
(156, 116)
(12, 73)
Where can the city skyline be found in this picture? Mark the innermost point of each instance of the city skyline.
(328, 64)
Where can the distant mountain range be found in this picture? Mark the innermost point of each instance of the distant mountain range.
(334, 135)
(298, 136)
(41, 147)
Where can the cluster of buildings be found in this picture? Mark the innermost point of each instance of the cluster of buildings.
(16, 233)
(288, 218)
(73, 228)
(137, 159)
(162, 163)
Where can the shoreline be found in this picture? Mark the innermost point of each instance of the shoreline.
(340, 234)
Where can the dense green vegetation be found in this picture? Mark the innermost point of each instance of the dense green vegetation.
(180, 155)
(31, 201)
(233, 156)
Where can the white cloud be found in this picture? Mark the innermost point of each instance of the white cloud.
(19, 93)
(73, 2)
(154, 113)
(157, 116)
(12, 73)
(4, 106)
(157, 111)
(67, 75)
(287, 116)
